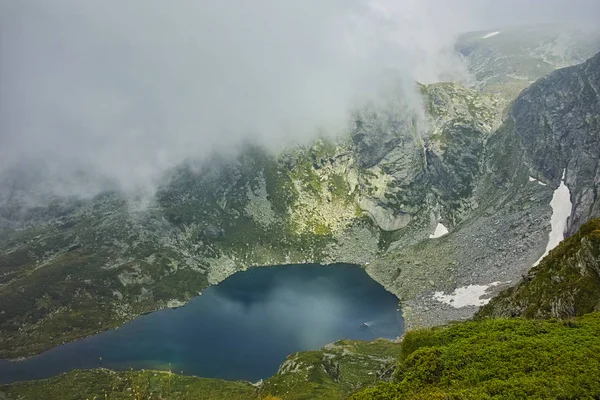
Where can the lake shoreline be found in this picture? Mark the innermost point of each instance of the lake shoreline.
(244, 299)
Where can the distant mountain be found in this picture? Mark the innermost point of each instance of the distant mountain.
(508, 60)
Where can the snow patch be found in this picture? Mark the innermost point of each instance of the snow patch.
(466, 295)
(561, 210)
(489, 35)
(532, 179)
(440, 230)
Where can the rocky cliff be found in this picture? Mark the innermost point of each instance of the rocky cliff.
(550, 135)
(556, 122)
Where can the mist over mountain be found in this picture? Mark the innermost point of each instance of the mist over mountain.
(96, 95)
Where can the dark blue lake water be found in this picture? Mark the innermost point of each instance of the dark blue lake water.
(242, 328)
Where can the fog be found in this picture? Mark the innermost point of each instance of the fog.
(125, 90)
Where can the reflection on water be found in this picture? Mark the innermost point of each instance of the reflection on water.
(242, 328)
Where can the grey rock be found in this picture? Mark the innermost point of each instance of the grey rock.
(213, 232)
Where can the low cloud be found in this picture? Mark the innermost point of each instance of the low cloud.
(125, 90)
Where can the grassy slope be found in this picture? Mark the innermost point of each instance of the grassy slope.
(332, 372)
(498, 359)
(106, 384)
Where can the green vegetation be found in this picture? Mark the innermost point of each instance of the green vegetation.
(137, 385)
(109, 266)
(339, 187)
(304, 172)
(497, 359)
(332, 372)
(486, 358)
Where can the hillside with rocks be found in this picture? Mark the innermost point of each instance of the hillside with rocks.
(565, 284)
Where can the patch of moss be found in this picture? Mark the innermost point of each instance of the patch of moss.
(340, 188)
(280, 189)
(305, 173)
(322, 229)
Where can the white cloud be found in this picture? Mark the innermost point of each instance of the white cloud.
(128, 89)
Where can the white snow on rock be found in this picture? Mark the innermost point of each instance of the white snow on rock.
(489, 35)
(466, 296)
(532, 179)
(440, 230)
(561, 210)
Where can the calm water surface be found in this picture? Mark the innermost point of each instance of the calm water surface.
(242, 328)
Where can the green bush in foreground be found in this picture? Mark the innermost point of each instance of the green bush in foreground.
(498, 359)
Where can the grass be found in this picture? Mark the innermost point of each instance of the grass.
(332, 372)
(138, 385)
(497, 359)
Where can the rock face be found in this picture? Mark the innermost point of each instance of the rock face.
(499, 222)
(565, 284)
(557, 124)
(73, 265)
(213, 232)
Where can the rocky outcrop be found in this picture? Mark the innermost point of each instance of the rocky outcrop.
(499, 226)
(556, 122)
(566, 283)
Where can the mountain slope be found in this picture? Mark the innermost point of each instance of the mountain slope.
(557, 124)
(502, 358)
(550, 129)
(564, 284)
